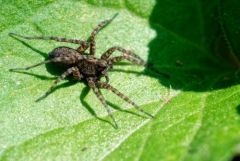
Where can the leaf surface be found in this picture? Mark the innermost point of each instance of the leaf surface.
(196, 111)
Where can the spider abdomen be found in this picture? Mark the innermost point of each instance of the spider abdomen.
(67, 55)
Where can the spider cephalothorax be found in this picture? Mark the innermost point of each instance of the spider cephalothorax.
(85, 66)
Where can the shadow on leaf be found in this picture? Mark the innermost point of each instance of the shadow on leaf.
(183, 47)
(238, 109)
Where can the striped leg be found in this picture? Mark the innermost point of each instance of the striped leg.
(102, 100)
(121, 95)
(60, 78)
(126, 57)
(82, 48)
(138, 62)
(125, 52)
(94, 33)
(59, 39)
(57, 59)
(76, 74)
(32, 66)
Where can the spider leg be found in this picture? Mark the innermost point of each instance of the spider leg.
(32, 66)
(105, 74)
(110, 51)
(121, 95)
(99, 95)
(137, 61)
(57, 59)
(100, 26)
(106, 77)
(82, 48)
(59, 39)
(126, 57)
(61, 77)
(76, 74)
(130, 56)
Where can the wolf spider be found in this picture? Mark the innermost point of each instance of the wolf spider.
(85, 66)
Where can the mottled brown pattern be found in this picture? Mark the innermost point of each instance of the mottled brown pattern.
(59, 39)
(85, 66)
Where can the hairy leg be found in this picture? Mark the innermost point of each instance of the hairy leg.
(102, 100)
(125, 52)
(126, 57)
(94, 33)
(60, 78)
(82, 48)
(57, 59)
(32, 66)
(76, 74)
(121, 95)
(59, 39)
(137, 62)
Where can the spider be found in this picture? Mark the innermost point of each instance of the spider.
(85, 66)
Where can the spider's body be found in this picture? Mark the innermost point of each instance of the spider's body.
(65, 52)
(92, 67)
(86, 67)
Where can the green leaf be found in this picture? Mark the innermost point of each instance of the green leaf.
(196, 111)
